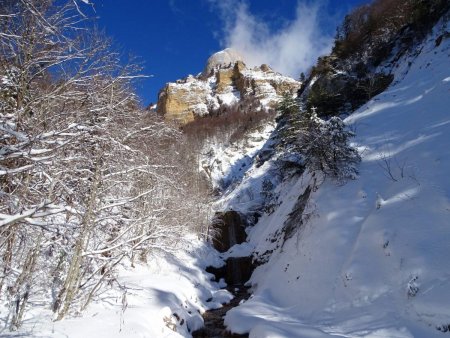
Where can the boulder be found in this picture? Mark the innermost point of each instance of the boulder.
(265, 68)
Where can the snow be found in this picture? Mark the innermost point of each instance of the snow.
(258, 74)
(371, 259)
(229, 98)
(222, 59)
(228, 163)
(163, 298)
(244, 249)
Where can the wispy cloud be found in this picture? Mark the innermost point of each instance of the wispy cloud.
(290, 50)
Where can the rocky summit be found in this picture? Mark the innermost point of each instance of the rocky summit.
(225, 84)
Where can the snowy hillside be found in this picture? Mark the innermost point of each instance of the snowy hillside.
(227, 163)
(368, 258)
(163, 298)
(235, 206)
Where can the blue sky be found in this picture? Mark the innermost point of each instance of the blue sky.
(174, 38)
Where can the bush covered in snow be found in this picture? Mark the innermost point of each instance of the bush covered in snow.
(323, 145)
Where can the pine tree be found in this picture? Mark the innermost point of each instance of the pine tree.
(302, 77)
(326, 148)
(288, 119)
(323, 145)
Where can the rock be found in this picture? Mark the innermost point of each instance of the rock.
(239, 66)
(224, 79)
(180, 103)
(229, 84)
(229, 227)
(265, 68)
(223, 59)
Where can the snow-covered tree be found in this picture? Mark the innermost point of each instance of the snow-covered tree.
(323, 145)
(88, 179)
(289, 119)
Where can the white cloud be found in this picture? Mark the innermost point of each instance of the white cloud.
(289, 50)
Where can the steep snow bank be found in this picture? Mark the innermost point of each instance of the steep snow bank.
(372, 258)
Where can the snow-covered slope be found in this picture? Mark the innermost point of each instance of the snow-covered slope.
(163, 298)
(371, 258)
(366, 259)
(226, 163)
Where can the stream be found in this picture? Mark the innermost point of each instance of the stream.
(214, 326)
(230, 227)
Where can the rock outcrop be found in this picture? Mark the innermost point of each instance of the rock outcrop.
(183, 100)
(222, 59)
(226, 83)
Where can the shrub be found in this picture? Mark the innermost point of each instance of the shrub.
(326, 148)
(229, 126)
(323, 145)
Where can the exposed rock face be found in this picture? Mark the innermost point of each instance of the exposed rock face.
(225, 84)
(224, 79)
(182, 101)
(230, 229)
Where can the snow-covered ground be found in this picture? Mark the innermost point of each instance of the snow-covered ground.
(372, 257)
(163, 298)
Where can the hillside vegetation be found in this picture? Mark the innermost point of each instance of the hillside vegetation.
(88, 179)
(367, 45)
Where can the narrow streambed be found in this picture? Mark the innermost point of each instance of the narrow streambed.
(214, 326)
(230, 229)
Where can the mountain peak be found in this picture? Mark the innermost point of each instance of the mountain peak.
(221, 59)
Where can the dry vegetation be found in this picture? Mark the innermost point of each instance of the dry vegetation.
(229, 126)
(371, 34)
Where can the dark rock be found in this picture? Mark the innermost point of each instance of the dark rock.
(214, 326)
(229, 229)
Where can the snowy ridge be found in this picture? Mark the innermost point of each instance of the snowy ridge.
(371, 259)
(212, 99)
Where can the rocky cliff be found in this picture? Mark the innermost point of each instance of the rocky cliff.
(225, 84)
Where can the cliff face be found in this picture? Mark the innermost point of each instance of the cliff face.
(225, 84)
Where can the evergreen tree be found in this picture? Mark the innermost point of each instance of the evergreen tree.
(323, 145)
(302, 77)
(288, 119)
